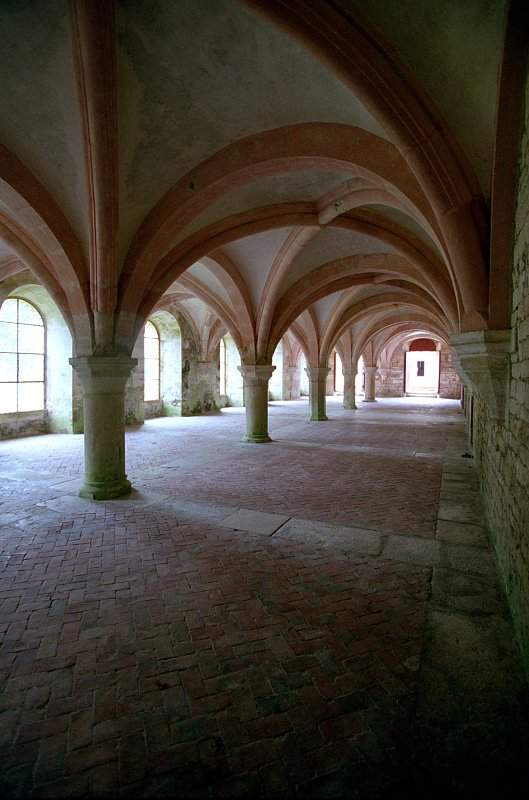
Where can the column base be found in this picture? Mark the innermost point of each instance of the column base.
(257, 438)
(369, 401)
(105, 491)
(319, 419)
(350, 406)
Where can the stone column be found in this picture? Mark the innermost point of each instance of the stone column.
(369, 396)
(349, 387)
(256, 377)
(103, 379)
(483, 362)
(318, 385)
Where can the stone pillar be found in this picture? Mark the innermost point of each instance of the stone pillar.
(256, 377)
(103, 379)
(483, 362)
(317, 388)
(349, 387)
(369, 396)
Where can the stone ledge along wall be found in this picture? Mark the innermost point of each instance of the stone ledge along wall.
(502, 450)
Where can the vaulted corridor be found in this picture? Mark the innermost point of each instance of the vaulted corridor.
(318, 617)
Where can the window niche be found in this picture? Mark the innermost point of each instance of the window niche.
(36, 382)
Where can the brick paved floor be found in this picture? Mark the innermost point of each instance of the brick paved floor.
(357, 646)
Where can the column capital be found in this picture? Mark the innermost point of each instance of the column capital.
(256, 374)
(483, 361)
(370, 370)
(317, 373)
(103, 374)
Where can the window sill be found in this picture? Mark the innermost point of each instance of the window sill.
(13, 415)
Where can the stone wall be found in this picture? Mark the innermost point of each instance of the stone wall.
(291, 381)
(390, 380)
(329, 388)
(235, 395)
(200, 385)
(449, 383)
(136, 410)
(501, 449)
(275, 384)
(27, 423)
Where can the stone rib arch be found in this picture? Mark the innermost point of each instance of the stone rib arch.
(175, 308)
(341, 274)
(404, 317)
(227, 273)
(215, 334)
(215, 303)
(395, 339)
(438, 162)
(259, 220)
(40, 235)
(364, 308)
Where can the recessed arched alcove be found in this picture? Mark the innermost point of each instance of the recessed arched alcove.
(168, 401)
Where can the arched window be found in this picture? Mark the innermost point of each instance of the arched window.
(22, 357)
(151, 355)
(223, 368)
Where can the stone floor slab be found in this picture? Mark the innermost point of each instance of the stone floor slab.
(354, 539)
(245, 519)
(414, 550)
(461, 533)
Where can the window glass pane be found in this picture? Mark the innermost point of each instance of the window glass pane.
(8, 398)
(8, 311)
(151, 370)
(30, 396)
(8, 367)
(30, 368)
(151, 348)
(28, 314)
(30, 339)
(152, 390)
(8, 337)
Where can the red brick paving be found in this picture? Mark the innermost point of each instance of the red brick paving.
(146, 653)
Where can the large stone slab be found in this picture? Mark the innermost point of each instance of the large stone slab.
(468, 594)
(475, 560)
(359, 540)
(245, 519)
(461, 533)
(426, 552)
(460, 511)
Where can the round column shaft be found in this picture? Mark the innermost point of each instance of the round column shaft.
(370, 384)
(317, 391)
(103, 379)
(256, 379)
(349, 387)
